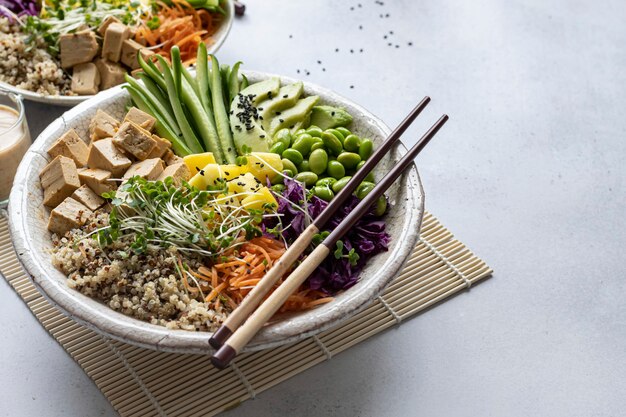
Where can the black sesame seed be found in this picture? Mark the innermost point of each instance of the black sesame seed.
(391, 32)
(387, 15)
(277, 113)
(292, 126)
(281, 120)
(332, 113)
(202, 172)
(385, 37)
(290, 36)
(285, 96)
(336, 49)
(361, 50)
(262, 136)
(324, 69)
(397, 46)
(260, 108)
(197, 169)
(360, 27)
(298, 71)
(410, 44)
(351, 86)
(351, 51)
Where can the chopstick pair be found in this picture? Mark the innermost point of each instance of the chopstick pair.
(232, 336)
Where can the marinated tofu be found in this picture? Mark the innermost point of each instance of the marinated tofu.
(59, 180)
(111, 73)
(71, 146)
(104, 154)
(87, 197)
(150, 169)
(171, 158)
(140, 118)
(134, 140)
(77, 48)
(103, 125)
(105, 24)
(114, 37)
(179, 173)
(68, 215)
(99, 180)
(162, 145)
(130, 49)
(85, 79)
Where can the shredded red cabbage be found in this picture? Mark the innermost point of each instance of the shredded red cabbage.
(368, 237)
(19, 7)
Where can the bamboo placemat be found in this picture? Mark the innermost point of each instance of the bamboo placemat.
(142, 382)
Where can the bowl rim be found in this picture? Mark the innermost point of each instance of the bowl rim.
(134, 331)
(71, 101)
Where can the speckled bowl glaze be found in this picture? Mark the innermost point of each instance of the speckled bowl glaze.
(70, 101)
(28, 218)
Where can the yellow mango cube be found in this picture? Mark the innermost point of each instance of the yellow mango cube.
(209, 175)
(258, 200)
(264, 164)
(195, 162)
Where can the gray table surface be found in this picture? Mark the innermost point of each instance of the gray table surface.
(529, 173)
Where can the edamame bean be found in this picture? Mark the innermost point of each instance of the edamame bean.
(381, 206)
(369, 177)
(366, 148)
(288, 173)
(307, 177)
(299, 131)
(304, 166)
(278, 147)
(338, 186)
(287, 164)
(318, 145)
(345, 132)
(323, 192)
(335, 169)
(293, 155)
(332, 143)
(318, 161)
(314, 131)
(364, 189)
(284, 136)
(337, 134)
(279, 188)
(328, 181)
(351, 143)
(348, 159)
(303, 144)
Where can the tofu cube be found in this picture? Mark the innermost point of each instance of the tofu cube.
(85, 79)
(59, 180)
(104, 154)
(77, 48)
(130, 49)
(171, 158)
(179, 173)
(68, 215)
(134, 140)
(162, 145)
(105, 24)
(72, 146)
(114, 37)
(87, 197)
(150, 169)
(140, 118)
(103, 125)
(99, 180)
(111, 73)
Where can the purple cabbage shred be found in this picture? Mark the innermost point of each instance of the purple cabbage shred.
(368, 237)
(19, 7)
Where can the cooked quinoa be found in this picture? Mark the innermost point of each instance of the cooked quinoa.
(145, 286)
(29, 67)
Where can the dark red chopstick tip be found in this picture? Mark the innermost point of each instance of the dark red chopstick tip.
(219, 337)
(222, 358)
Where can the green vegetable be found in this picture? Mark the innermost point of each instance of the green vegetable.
(303, 143)
(314, 131)
(287, 164)
(366, 148)
(278, 147)
(221, 116)
(337, 134)
(328, 181)
(338, 186)
(284, 136)
(370, 176)
(304, 166)
(308, 178)
(335, 169)
(202, 78)
(244, 82)
(349, 159)
(293, 155)
(345, 132)
(351, 143)
(233, 82)
(364, 189)
(332, 143)
(318, 145)
(318, 161)
(381, 206)
(323, 192)
(279, 188)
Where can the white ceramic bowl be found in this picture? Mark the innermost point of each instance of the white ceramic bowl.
(70, 101)
(28, 218)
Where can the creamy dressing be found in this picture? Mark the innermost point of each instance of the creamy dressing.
(14, 142)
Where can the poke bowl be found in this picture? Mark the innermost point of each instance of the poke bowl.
(28, 219)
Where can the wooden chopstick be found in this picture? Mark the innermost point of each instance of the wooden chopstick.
(265, 311)
(253, 299)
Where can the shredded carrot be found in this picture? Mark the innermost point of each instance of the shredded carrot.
(178, 24)
(240, 270)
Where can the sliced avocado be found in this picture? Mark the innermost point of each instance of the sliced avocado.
(293, 115)
(302, 124)
(287, 97)
(262, 90)
(327, 117)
